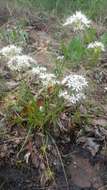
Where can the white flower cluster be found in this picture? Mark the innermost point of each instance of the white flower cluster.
(76, 82)
(38, 70)
(60, 58)
(16, 61)
(46, 78)
(72, 98)
(78, 21)
(20, 63)
(75, 85)
(72, 85)
(96, 45)
(10, 51)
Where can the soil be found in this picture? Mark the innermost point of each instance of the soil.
(82, 174)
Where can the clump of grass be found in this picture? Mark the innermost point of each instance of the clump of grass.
(16, 35)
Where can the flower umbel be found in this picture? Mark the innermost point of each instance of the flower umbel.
(10, 51)
(74, 85)
(60, 58)
(76, 82)
(79, 21)
(38, 70)
(96, 45)
(46, 78)
(74, 98)
(20, 63)
(71, 86)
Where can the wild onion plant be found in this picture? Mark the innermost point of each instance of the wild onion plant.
(83, 47)
(53, 93)
(43, 95)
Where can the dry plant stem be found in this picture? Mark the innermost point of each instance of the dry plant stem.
(9, 9)
(45, 144)
(11, 139)
(25, 141)
(60, 160)
(45, 154)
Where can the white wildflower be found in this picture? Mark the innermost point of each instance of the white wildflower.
(75, 82)
(48, 79)
(79, 21)
(96, 45)
(38, 70)
(63, 94)
(20, 63)
(60, 58)
(10, 51)
(45, 77)
(74, 98)
(74, 85)
(71, 99)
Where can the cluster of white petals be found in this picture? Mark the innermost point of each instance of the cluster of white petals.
(20, 63)
(78, 21)
(96, 45)
(75, 85)
(46, 78)
(60, 57)
(74, 98)
(77, 97)
(10, 51)
(74, 81)
(63, 93)
(38, 70)
(15, 60)
(72, 86)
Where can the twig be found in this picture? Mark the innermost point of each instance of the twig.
(60, 160)
(25, 141)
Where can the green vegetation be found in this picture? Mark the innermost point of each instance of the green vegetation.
(15, 35)
(93, 8)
